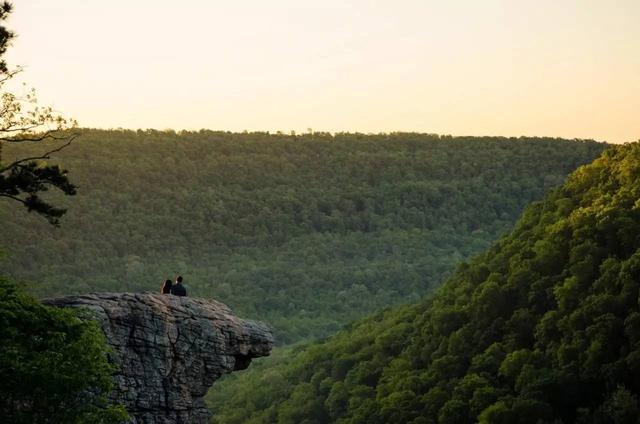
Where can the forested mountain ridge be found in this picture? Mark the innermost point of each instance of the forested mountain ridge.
(542, 328)
(306, 232)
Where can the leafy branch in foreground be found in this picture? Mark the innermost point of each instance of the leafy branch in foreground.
(54, 364)
(22, 120)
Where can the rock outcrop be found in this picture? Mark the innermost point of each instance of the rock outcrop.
(170, 350)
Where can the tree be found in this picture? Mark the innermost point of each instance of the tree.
(22, 120)
(53, 364)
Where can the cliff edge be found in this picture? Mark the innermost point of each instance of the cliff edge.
(170, 350)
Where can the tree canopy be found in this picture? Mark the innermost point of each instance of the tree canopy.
(542, 327)
(53, 364)
(306, 232)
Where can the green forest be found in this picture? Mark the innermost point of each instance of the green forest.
(53, 364)
(544, 327)
(372, 278)
(306, 232)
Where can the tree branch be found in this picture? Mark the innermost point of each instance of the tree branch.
(48, 134)
(46, 155)
(14, 198)
(10, 74)
(12, 129)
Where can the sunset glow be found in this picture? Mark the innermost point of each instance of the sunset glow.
(566, 68)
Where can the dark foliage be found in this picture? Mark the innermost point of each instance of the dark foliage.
(25, 183)
(53, 364)
(22, 120)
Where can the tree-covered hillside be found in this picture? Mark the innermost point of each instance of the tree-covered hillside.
(306, 232)
(542, 328)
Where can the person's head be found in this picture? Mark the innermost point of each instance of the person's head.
(167, 285)
(179, 279)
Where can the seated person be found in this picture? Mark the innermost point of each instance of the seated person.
(166, 287)
(178, 289)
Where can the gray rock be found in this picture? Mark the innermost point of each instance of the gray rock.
(170, 350)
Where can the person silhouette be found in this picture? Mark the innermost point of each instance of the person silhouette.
(178, 289)
(166, 287)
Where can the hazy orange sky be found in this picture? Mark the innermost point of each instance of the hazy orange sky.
(566, 68)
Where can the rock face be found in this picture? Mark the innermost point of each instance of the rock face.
(170, 350)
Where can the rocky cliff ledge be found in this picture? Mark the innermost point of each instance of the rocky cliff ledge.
(170, 350)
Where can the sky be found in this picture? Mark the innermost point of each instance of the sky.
(561, 68)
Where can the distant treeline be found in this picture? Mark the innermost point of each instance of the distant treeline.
(544, 327)
(306, 232)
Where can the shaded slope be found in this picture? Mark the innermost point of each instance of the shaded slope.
(304, 232)
(543, 327)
